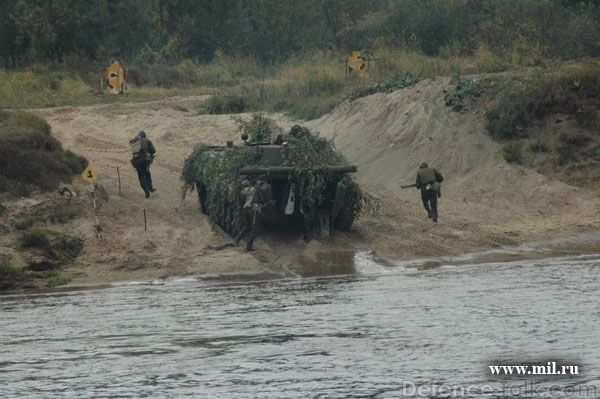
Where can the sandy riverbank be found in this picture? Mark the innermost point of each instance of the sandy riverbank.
(487, 203)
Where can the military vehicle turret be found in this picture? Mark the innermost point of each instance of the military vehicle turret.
(310, 181)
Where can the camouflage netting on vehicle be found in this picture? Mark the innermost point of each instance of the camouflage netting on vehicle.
(216, 169)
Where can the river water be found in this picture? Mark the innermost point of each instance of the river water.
(385, 331)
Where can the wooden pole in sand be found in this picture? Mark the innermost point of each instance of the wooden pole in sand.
(119, 177)
(98, 229)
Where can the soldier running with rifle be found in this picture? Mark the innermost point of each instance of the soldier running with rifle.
(429, 182)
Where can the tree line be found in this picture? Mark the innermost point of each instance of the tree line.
(168, 31)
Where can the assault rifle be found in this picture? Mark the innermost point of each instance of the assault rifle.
(408, 186)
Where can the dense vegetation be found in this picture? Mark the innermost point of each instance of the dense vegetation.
(150, 32)
(272, 54)
(30, 157)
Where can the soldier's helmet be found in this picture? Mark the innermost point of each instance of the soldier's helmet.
(246, 183)
(423, 165)
(296, 130)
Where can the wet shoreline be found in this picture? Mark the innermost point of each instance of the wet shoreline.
(566, 247)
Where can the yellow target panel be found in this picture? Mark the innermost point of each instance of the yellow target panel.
(114, 79)
(356, 63)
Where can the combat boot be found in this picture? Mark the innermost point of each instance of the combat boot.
(434, 217)
(249, 245)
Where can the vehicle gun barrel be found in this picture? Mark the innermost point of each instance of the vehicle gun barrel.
(272, 170)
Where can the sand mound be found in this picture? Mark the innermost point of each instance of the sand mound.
(486, 200)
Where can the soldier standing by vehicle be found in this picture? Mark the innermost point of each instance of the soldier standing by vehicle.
(263, 198)
(428, 181)
(143, 154)
(248, 194)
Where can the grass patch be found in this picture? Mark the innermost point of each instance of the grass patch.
(11, 277)
(62, 248)
(512, 152)
(53, 216)
(304, 86)
(539, 147)
(566, 155)
(30, 157)
(574, 139)
(223, 105)
(55, 279)
(465, 90)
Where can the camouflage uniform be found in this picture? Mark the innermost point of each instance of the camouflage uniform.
(248, 193)
(263, 198)
(428, 181)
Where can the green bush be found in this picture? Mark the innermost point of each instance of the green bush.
(11, 277)
(30, 157)
(512, 152)
(465, 89)
(539, 147)
(223, 105)
(61, 248)
(398, 82)
(55, 279)
(510, 117)
(573, 90)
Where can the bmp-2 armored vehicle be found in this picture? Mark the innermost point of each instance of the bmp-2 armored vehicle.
(310, 181)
